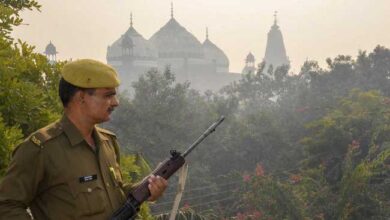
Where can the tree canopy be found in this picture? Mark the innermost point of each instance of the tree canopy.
(313, 132)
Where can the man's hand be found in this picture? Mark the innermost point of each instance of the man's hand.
(157, 186)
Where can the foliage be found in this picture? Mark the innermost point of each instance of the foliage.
(345, 175)
(26, 74)
(134, 169)
(28, 92)
(373, 70)
(9, 136)
(270, 198)
(371, 179)
(300, 127)
(166, 110)
(360, 120)
(183, 215)
(28, 83)
(10, 15)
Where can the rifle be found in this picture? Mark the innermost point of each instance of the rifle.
(167, 168)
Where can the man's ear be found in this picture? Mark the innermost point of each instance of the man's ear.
(79, 96)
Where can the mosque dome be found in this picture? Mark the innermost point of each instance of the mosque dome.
(127, 42)
(50, 49)
(174, 41)
(131, 39)
(212, 52)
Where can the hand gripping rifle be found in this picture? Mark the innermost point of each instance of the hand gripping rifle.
(141, 193)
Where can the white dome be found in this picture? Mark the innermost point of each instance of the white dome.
(212, 52)
(173, 40)
(140, 46)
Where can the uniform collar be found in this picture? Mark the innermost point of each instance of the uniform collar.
(74, 135)
(99, 134)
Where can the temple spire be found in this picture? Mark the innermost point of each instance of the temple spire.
(171, 9)
(276, 18)
(207, 33)
(275, 53)
(131, 19)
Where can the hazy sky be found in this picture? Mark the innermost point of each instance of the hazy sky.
(312, 29)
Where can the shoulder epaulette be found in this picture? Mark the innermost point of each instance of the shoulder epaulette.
(45, 134)
(105, 131)
(35, 140)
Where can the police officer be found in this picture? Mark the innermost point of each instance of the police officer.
(70, 169)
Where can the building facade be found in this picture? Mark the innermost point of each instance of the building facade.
(204, 65)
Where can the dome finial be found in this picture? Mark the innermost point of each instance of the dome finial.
(207, 33)
(275, 18)
(131, 19)
(171, 9)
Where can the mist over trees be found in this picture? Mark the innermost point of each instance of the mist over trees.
(307, 145)
(320, 137)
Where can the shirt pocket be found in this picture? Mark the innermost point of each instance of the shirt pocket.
(89, 197)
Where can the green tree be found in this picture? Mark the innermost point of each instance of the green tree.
(28, 82)
(160, 116)
(348, 151)
(9, 136)
(374, 70)
(10, 15)
(134, 169)
(365, 188)
(271, 197)
(26, 74)
(356, 119)
(183, 215)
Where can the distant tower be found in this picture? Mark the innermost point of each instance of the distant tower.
(275, 53)
(250, 60)
(51, 53)
(250, 66)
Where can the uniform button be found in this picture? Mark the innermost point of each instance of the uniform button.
(108, 185)
(89, 190)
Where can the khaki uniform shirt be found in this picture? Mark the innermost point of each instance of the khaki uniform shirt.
(59, 176)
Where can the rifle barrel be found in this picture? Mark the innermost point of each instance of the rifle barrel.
(210, 130)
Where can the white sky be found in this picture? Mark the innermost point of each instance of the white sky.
(313, 29)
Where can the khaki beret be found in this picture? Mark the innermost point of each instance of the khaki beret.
(87, 73)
